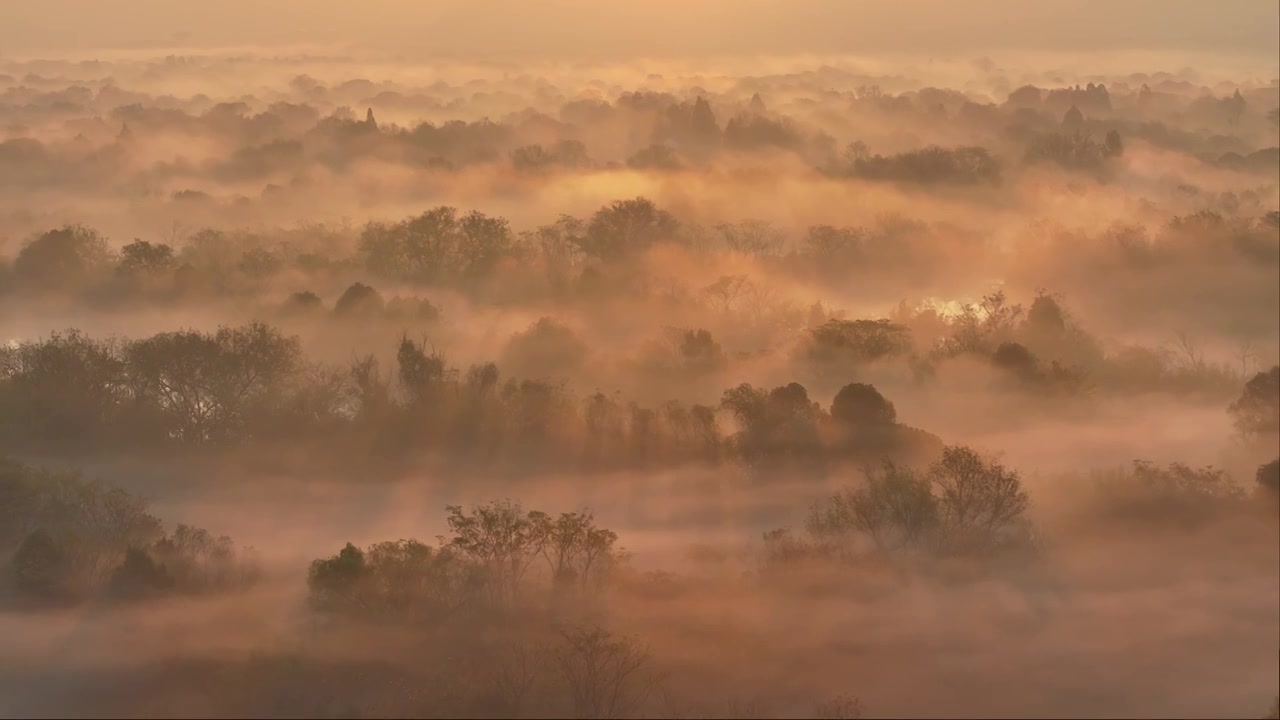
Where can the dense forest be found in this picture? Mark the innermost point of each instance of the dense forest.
(575, 392)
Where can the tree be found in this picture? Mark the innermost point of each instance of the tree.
(482, 242)
(603, 672)
(208, 386)
(143, 258)
(63, 258)
(546, 349)
(723, 293)
(779, 425)
(502, 539)
(895, 508)
(420, 249)
(359, 300)
(860, 405)
(139, 576)
(335, 583)
(1256, 412)
(849, 343)
(700, 351)
(980, 501)
(573, 547)
(1073, 119)
(1269, 477)
(39, 567)
(1234, 108)
(1028, 96)
(752, 237)
(67, 390)
(1046, 316)
(421, 374)
(1071, 150)
(626, 228)
(1017, 360)
(1113, 145)
(303, 302)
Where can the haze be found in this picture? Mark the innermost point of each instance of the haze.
(618, 359)
(572, 30)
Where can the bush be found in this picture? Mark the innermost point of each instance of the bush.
(1175, 493)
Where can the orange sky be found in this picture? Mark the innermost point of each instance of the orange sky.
(591, 28)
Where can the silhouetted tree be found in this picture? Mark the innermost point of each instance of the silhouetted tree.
(144, 258)
(1257, 411)
(603, 672)
(1269, 476)
(63, 258)
(39, 568)
(625, 228)
(860, 405)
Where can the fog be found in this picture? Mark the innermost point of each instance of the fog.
(642, 360)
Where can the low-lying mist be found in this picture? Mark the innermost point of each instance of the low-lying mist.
(341, 387)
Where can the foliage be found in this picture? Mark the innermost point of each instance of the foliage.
(963, 504)
(62, 258)
(75, 539)
(1256, 412)
(402, 581)
(1176, 493)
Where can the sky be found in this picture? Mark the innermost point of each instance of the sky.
(591, 29)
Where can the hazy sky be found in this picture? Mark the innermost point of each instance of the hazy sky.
(613, 28)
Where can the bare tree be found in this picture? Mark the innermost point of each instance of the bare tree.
(511, 673)
(604, 672)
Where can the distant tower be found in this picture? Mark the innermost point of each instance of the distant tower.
(126, 135)
(368, 119)
(757, 104)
